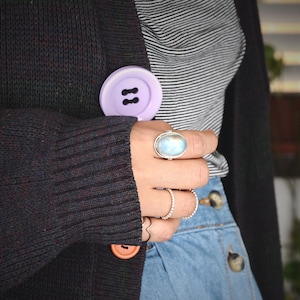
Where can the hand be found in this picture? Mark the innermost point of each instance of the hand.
(151, 173)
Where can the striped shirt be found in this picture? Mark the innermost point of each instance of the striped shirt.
(194, 47)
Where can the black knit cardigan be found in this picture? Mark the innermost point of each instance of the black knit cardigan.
(67, 189)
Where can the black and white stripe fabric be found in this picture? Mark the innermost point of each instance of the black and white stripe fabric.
(194, 48)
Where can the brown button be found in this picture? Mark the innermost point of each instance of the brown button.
(124, 251)
(236, 262)
(215, 200)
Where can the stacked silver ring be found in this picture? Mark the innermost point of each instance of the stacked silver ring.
(168, 216)
(196, 207)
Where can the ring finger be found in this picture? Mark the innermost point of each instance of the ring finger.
(160, 202)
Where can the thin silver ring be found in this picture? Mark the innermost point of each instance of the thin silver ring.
(174, 151)
(148, 229)
(197, 204)
(172, 205)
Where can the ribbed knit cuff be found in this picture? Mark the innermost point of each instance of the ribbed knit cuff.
(94, 188)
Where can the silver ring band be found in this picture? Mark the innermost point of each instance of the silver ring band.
(197, 204)
(172, 205)
(148, 229)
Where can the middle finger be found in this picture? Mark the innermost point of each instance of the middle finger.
(178, 174)
(198, 143)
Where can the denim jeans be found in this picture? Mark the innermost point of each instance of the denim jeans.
(194, 264)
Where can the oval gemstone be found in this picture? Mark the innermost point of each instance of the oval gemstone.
(170, 145)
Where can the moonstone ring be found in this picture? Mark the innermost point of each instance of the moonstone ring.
(170, 145)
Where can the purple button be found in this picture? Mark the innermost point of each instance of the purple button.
(131, 91)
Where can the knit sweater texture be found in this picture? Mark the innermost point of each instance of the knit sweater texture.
(67, 188)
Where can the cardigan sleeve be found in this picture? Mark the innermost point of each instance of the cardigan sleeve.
(63, 180)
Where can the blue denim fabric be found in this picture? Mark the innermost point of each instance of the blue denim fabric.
(194, 263)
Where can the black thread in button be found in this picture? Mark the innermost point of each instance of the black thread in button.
(127, 101)
(125, 92)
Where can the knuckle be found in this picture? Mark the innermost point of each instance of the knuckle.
(204, 142)
(166, 234)
(200, 173)
(188, 205)
(212, 137)
(216, 141)
(161, 125)
(204, 174)
(197, 144)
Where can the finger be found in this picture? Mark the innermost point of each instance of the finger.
(159, 203)
(157, 230)
(199, 143)
(177, 174)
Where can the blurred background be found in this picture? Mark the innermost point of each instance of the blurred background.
(280, 26)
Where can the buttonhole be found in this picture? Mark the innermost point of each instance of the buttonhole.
(125, 92)
(127, 101)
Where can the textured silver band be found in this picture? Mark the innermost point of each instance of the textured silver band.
(172, 205)
(197, 204)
